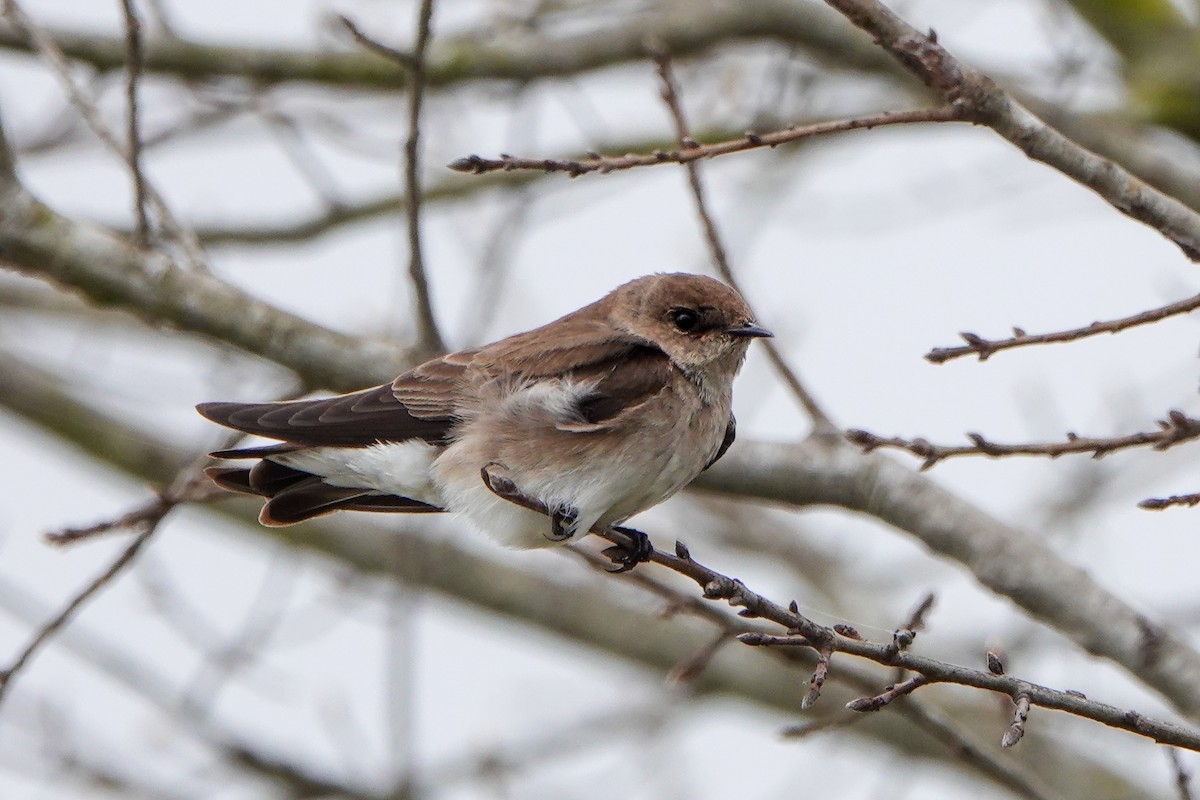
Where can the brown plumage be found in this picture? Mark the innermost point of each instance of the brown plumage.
(649, 365)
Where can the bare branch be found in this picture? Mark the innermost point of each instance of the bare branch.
(696, 151)
(984, 348)
(876, 702)
(149, 526)
(133, 46)
(8, 173)
(429, 340)
(982, 101)
(916, 620)
(670, 95)
(588, 615)
(1159, 503)
(409, 61)
(933, 671)
(685, 31)
(105, 270)
(97, 264)
(146, 514)
(1175, 429)
(54, 57)
(1183, 778)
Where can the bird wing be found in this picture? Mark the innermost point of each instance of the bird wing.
(730, 435)
(623, 371)
(349, 420)
(423, 403)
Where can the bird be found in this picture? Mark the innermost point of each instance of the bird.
(537, 438)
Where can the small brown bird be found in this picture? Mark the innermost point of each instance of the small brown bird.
(587, 420)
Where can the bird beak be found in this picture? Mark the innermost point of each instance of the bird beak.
(750, 331)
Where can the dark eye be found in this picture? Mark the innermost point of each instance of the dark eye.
(685, 319)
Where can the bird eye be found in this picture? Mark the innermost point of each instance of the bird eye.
(685, 319)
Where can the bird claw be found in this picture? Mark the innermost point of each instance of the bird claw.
(562, 523)
(626, 558)
(499, 484)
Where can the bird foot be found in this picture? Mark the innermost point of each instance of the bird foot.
(563, 519)
(562, 523)
(626, 557)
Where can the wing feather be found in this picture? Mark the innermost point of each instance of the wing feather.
(348, 420)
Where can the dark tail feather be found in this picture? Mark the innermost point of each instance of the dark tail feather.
(256, 452)
(304, 499)
(294, 496)
(234, 479)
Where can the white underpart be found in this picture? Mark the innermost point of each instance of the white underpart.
(400, 468)
(605, 487)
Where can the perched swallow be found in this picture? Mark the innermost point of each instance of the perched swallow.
(573, 426)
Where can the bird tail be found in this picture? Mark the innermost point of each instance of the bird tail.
(294, 495)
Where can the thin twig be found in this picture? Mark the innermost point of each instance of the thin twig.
(429, 340)
(1176, 428)
(50, 628)
(133, 45)
(982, 100)
(693, 665)
(890, 693)
(407, 60)
(750, 141)
(670, 95)
(1183, 778)
(53, 54)
(189, 484)
(984, 348)
(920, 714)
(1159, 503)
(916, 620)
(803, 632)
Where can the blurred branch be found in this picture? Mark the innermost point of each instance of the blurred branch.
(594, 614)
(133, 45)
(8, 174)
(189, 485)
(1056, 592)
(1183, 778)
(43, 634)
(404, 59)
(150, 513)
(48, 49)
(158, 691)
(687, 30)
(453, 187)
(982, 101)
(1159, 503)
(429, 340)
(670, 95)
(104, 269)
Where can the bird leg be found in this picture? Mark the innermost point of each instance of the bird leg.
(626, 557)
(562, 518)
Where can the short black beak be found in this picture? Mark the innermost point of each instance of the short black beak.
(750, 331)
